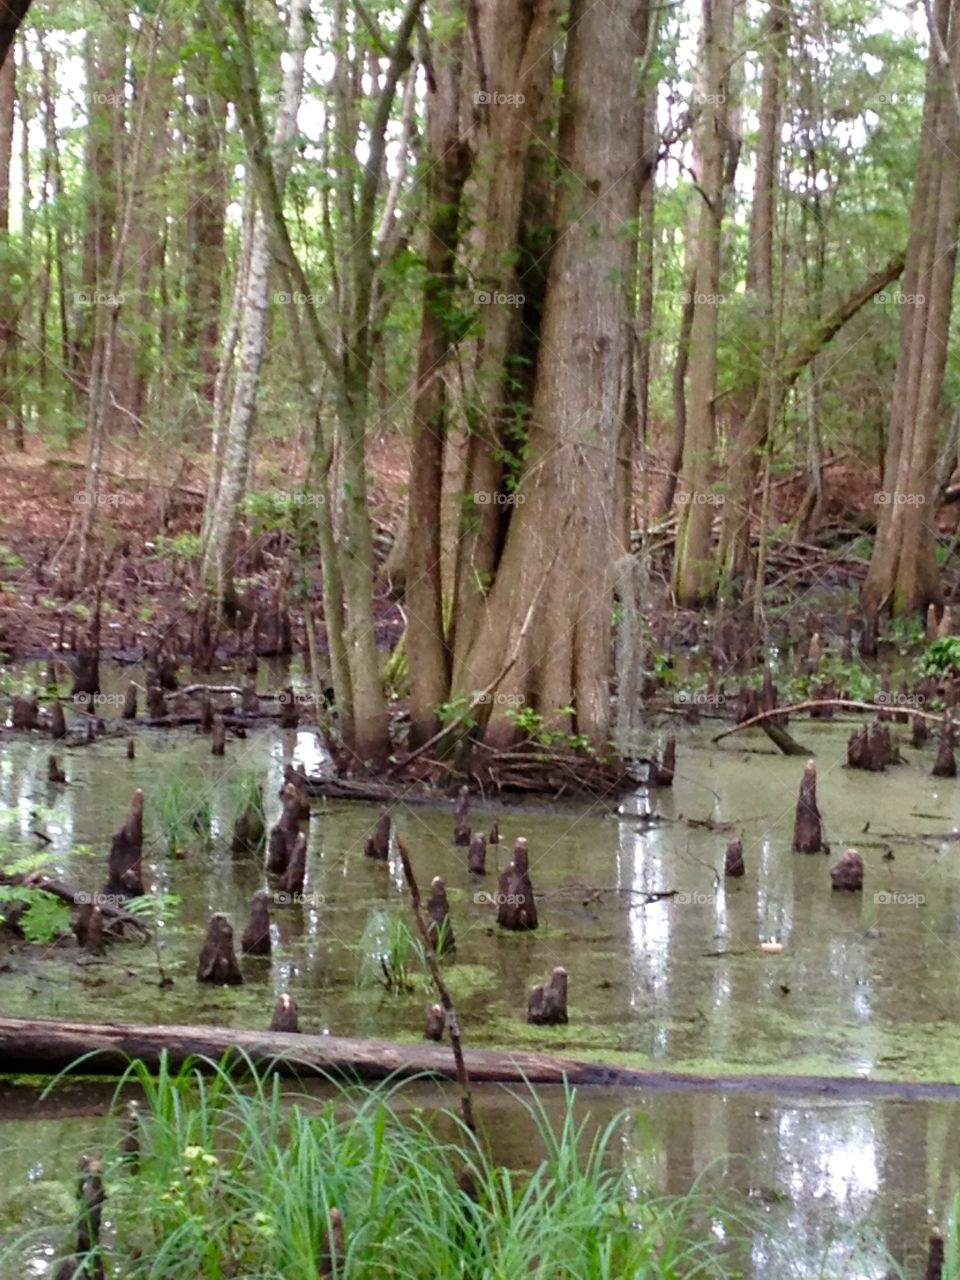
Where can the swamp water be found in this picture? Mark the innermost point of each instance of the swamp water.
(866, 985)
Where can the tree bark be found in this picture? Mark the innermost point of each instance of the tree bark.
(694, 577)
(9, 395)
(513, 53)
(557, 560)
(903, 571)
(449, 159)
(217, 569)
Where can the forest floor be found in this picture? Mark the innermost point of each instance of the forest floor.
(147, 512)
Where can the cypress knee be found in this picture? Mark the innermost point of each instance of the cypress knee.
(807, 833)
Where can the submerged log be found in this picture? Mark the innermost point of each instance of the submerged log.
(807, 833)
(218, 960)
(255, 940)
(733, 859)
(847, 873)
(44, 1047)
(124, 865)
(286, 1015)
(516, 907)
(377, 846)
(461, 818)
(547, 1005)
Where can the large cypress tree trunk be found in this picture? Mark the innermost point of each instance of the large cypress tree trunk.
(515, 43)
(903, 571)
(548, 616)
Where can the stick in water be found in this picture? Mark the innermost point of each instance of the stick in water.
(466, 1102)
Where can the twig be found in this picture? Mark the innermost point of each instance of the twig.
(466, 1102)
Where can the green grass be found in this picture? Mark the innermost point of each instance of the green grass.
(238, 1179)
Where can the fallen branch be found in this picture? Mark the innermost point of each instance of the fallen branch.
(825, 702)
(453, 1026)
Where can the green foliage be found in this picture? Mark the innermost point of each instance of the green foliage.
(941, 658)
(391, 955)
(39, 915)
(185, 814)
(185, 546)
(533, 724)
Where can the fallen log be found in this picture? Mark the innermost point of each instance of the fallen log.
(758, 720)
(43, 1047)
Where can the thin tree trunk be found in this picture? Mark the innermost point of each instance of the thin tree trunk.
(218, 562)
(694, 576)
(9, 395)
